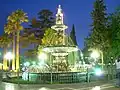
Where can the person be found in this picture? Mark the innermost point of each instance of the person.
(118, 71)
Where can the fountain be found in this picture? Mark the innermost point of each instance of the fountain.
(57, 66)
(60, 51)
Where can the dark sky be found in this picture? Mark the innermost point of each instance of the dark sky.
(75, 12)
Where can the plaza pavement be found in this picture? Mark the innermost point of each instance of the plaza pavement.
(78, 86)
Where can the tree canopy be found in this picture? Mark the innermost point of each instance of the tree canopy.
(98, 32)
(114, 34)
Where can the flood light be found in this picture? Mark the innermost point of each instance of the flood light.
(98, 71)
(95, 54)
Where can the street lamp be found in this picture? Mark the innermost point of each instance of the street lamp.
(95, 54)
(9, 56)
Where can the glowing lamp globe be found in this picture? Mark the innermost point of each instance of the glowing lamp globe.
(95, 54)
(9, 55)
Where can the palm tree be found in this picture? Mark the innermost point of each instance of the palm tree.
(8, 28)
(14, 26)
(4, 43)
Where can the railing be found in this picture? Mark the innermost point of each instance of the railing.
(64, 77)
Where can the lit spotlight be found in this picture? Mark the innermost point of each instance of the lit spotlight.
(43, 88)
(96, 88)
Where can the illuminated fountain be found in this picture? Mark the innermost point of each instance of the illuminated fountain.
(58, 54)
(61, 50)
(55, 57)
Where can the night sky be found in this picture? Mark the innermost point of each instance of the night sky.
(76, 12)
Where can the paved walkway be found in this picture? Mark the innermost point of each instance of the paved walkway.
(78, 86)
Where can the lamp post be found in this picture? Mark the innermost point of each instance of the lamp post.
(97, 53)
(9, 56)
(102, 59)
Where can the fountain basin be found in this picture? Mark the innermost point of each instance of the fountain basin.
(60, 49)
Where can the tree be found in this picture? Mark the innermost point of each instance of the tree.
(51, 38)
(38, 27)
(98, 37)
(8, 28)
(5, 41)
(73, 36)
(46, 19)
(14, 26)
(35, 29)
(99, 31)
(114, 34)
(35, 23)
